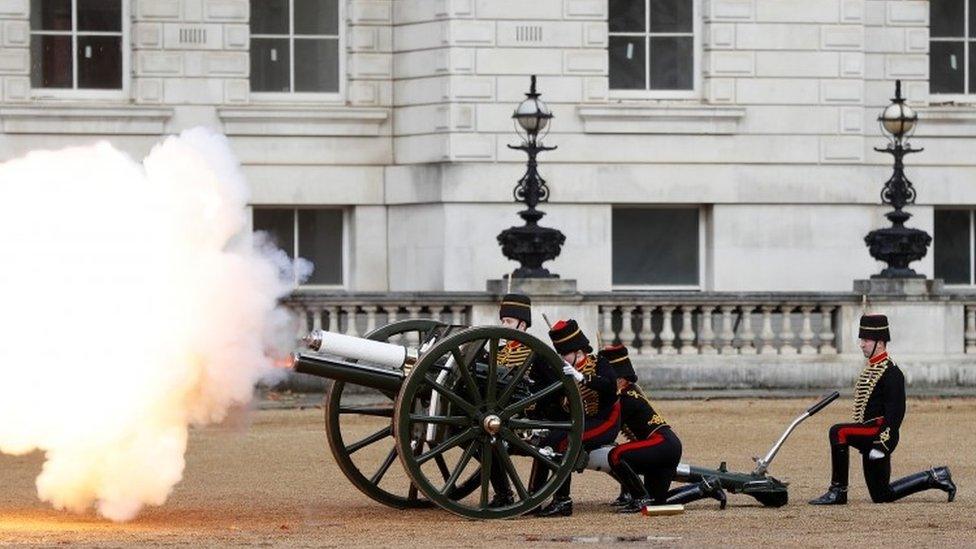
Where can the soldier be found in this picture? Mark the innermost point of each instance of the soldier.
(597, 384)
(515, 312)
(653, 449)
(879, 407)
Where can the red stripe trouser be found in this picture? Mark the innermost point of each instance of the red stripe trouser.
(655, 457)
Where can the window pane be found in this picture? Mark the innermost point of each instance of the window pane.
(946, 67)
(270, 65)
(316, 17)
(320, 241)
(279, 224)
(972, 19)
(317, 65)
(50, 15)
(269, 17)
(671, 16)
(972, 67)
(672, 63)
(655, 246)
(627, 16)
(51, 61)
(626, 63)
(946, 18)
(951, 245)
(100, 15)
(100, 62)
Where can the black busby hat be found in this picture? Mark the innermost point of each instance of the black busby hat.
(567, 337)
(516, 306)
(616, 355)
(874, 327)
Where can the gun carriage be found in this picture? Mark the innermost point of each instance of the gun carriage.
(458, 416)
(462, 418)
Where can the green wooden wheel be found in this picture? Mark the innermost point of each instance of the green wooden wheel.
(367, 461)
(487, 419)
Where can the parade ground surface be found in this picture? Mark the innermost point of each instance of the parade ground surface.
(266, 478)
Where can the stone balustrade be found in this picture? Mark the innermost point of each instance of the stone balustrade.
(648, 323)
(359, 314)
(701, 339)
(710, 324)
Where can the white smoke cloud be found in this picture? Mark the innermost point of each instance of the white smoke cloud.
(133, 304)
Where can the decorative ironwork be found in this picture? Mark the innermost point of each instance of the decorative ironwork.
(531, 244)
(898, 245)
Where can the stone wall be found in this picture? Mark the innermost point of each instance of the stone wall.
(775, 145)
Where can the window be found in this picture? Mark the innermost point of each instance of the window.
(952, 47)
(652, 45)
(313, 234)
(953, 246)
(657, 247)
(77, 44)
(295, 46)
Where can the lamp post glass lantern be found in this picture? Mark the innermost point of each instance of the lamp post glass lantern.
(898, 245)
(530, 244)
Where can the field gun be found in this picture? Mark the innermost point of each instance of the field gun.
(457, 415)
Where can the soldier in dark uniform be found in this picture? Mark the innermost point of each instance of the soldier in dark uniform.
(879, 407)
(652, 448)
(598, 388)
(515, 312)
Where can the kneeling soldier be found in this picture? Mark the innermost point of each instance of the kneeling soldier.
(653, 449)
(597, 384)
(879, 407)
(515, 312)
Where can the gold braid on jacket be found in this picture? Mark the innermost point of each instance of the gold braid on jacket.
(513, 355)
(866, 381)
(591, 399)
(657, 420)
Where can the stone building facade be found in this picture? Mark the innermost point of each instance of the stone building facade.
(738, 158)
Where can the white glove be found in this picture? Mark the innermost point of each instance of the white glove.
(570, 371)
(875, 454)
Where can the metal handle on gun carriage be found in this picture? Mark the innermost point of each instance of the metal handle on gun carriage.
(763, 463)
(823, 403)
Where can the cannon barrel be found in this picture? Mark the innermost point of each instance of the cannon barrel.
(382, 379)
(359, 349)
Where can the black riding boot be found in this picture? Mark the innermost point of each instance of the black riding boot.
(934, 478)
(503, 488)
(836, 495)
(632, 483)
(839, 468)
(708, 488)
(561, 504)
(624, 497)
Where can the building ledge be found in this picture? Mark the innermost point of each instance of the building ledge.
(85, 119)
(947, 121)
(667, 119)
(283, 121)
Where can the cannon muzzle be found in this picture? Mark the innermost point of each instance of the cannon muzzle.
(382, 379)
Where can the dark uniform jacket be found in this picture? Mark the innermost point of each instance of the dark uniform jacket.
(879, 399)
(638, 419)
(598, 388)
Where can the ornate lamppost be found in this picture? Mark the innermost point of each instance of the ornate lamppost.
(531, 244)
(898, 245)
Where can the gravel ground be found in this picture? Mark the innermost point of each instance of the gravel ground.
(265, 478)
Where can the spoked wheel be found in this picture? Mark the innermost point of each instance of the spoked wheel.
(493, 422)
(368, 461)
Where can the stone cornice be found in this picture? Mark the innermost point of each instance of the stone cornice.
(84, 119)
(281, 121)
(666, 119)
